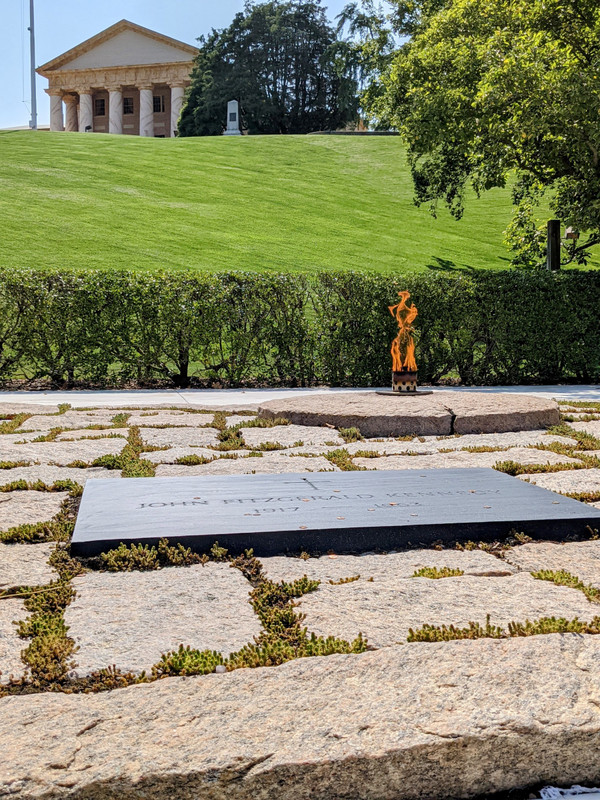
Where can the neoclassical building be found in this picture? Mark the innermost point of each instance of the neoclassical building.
(126, 79)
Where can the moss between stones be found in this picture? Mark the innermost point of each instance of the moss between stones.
(129, 460)
(342, 459)
(13, 422)
(351, 435)
(436, 573)
(563, 578)
(59, 528)
(446, 633)
(515, 468)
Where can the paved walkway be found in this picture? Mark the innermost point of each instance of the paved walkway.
(214, 398)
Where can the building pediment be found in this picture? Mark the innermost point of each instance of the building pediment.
(123, 44)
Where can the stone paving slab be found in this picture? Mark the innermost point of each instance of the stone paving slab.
(148, 419)
(269, 463)
(27, 508)
(592, 426)
(50, 474)
(7, 409)
(70, 419)
(10, 644)
(171, 455)
(467, 718)
(25, 565)
(62, 453)
(131, 619)
(288, 435)
(579, 558)
(384, 568)
(87, 433)
(385, 609)
(522, 455)
(581, 480)
(180, 437)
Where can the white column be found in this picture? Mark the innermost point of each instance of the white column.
(115, 110)
(146, 110)
(56, 110)
(86, 110)
(71, 115)
(177, 93)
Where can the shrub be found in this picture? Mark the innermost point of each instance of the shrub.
(240, 328)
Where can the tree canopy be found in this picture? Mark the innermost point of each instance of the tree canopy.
(491, 91)
(285, 65)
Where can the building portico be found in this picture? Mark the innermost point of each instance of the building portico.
(91, 92)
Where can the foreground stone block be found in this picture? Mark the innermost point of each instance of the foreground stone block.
(63, 453)
(27, 508)
(579, 558)
(460, 458)
(130, 619)
(10, 648)
(25, 565)
(49, 474)
(447, 720)
(479, 412)
(385, 609)
(384, 568)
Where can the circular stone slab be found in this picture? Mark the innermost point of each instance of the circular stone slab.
(438, 414)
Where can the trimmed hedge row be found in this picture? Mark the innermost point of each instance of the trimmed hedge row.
(113, 327)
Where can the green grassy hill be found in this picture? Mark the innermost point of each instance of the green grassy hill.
(265, 202)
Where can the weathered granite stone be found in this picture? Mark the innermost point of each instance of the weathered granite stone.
(87, 433)
(62, 453)
(171, 455)
(591, 426)
(269, 463)
(235, 419)
(579, 558)
(460, 458)
(373, 414)
(7, 409)
(581, 480)
(27, 508)
(288, 435)
(385, 609)
(10, 648)
(479, 412)
(386, 568)
(70, 419)
(180, 437)
(150, 419)
(131, 619)
(444, 720)
(49, 474)
(25, 565)
(440, 413)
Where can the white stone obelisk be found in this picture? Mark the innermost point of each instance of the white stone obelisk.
(233, 119)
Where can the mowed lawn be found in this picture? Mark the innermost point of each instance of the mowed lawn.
(259, 203)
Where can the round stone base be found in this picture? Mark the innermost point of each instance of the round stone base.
(418, 393)
(433, 414)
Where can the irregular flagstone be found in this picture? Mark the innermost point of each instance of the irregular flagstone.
(451, 719)
(591, 426)
(10, 648)
(480, 412)
(180, 437)
(130, 619)
(7, 409)
(63, 453)
(579, 558)
(50, 474)
(235, 419)
(87, 433)
(25, 565)
(388, 567)
(166, 417)
(170, 456)
(288, 435)
(27, 508)
(269, 463)
(459, 458)
(70, 419)
(385, 609)
(581, 480)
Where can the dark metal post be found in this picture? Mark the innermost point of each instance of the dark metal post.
(33, 121)
(553, 256)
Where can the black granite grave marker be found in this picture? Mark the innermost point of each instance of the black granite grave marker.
(347, 511)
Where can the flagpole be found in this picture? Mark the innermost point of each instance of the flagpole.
(33, 120)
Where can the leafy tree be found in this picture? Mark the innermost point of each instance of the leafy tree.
(285, 65)
(492, 90)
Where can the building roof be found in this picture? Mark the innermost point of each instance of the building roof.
(124, 26)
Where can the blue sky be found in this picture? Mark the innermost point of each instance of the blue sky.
(61, 24)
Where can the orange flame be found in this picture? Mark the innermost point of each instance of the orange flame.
(403, 346)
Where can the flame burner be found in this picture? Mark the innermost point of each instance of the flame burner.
(404, 381)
